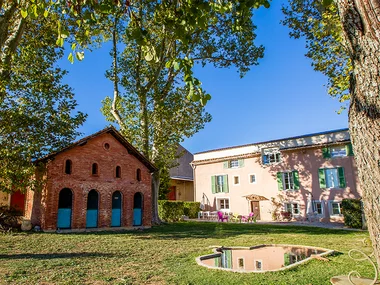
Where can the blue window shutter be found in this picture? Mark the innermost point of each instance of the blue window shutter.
(265, 159)
(342, 179)
(225, 164)
(296, 180)
(225, 184)
(349, 151)
(279, 181)
(326, 152)
(322, 178)
(241, 162)
(213, 186)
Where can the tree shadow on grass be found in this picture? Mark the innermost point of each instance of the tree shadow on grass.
(43, 256)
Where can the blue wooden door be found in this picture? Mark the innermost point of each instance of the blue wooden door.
(116, 209)
(92, 209)
(137, 209)
(65, 203)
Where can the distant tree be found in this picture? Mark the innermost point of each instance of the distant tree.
(343, 39)
(37, 111)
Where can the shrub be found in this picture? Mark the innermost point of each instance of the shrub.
(10, 219)
(170, 211)
(191, 209)
(352, 212)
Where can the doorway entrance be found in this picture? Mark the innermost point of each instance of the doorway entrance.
(92, 209)
(255, 209)
(137, 209)
(65, 204)
(116, 209)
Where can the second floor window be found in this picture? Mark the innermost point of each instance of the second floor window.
(94, 169)
(332, 177)
(68, 166)
(235, 163)
(118, 171)
(219, 184)
(288, 180)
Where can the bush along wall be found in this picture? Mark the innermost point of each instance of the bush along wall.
(352, 212)
(191, 209)
(170, 211)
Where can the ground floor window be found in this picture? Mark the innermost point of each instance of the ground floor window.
(292, 208)
(223, 204)
(335, 208)
(318, 207)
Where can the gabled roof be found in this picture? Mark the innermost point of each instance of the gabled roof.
(109, 130)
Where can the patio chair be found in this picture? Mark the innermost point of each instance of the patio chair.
(236, 217)
(222, 217)
(250, 218)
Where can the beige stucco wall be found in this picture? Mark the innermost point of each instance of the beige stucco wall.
(184, 190)
(306, 161)
(4, 199)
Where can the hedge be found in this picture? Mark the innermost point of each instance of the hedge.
(191, 209)
(352, 212)
(172, 211)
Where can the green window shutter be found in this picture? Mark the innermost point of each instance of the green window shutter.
(326, 152)
(349, 151)
(225, 164)
(228, 254)
(342, 180)
(213, 185)
(217, 261)
(279, 181)
(296, 180)
(225, 184)
(286, 259)
(241, 162)
(322, 178)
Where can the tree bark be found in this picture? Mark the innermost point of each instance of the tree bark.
(361, 25)
(155, 186)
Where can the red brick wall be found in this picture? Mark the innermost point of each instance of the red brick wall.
(81, 181)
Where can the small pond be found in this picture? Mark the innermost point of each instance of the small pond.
(261, 258)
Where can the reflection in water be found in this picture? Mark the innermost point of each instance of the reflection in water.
(260, 258)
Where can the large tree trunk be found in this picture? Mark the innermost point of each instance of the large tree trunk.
(361, 25)
(155, 187)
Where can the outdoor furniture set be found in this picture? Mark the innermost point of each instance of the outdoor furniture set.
(228, 217)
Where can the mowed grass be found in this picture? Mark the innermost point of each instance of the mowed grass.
(166, 255)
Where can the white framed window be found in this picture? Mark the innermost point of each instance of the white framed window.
(258, 265)
(338, 151)
(234, 163)
(318, 208)
(292, 208)
(271, 155)
(332, 178)
(288, 180)
(252, 178)
(236, 180)
(335, 208)
(240, 262)
(223, 204)
(219, 184)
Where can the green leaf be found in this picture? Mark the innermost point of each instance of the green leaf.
(73, 46)
(168, 64)
(79, 55)
(24, 13)
(71, 57)
(46, 13)
(60, 42)
(176, 65)
(327, 3)
(64, 34)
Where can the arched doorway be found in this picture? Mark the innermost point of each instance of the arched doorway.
(65, 204)
(116, 209)
(92, 209)
(137, 209)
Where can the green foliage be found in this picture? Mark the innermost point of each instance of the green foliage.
(170, 211)
(191, 209)
(320, 25)
(352, 212)
(164, 184)
(37, 112)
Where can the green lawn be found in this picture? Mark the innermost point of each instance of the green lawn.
(166, 255)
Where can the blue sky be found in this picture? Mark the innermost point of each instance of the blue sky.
(281, 97)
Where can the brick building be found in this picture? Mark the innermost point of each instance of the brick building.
(99, 181)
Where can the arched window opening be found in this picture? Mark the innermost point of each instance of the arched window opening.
(138, 174)
(94, 169)
(68, 166)
(118, 171)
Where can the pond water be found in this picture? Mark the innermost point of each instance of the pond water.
(260, 258)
